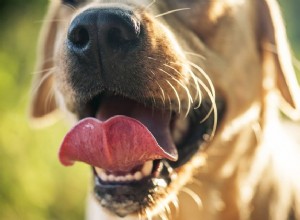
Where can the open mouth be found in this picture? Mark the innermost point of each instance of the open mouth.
(134, 149)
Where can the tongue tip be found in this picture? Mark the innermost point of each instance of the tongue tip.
(63, 157)
(65, 161)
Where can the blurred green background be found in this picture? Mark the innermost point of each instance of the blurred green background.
(33, 185)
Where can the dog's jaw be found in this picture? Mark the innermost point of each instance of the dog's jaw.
(162, 204)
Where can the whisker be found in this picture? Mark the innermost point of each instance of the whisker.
(50, 20)
(163, 216)
(176, 206)
(171, 11)
(46, 61)
(153, 102)
(150, 197)
(162, 92)
(151, 58)
(204, 74)
(198, 94)
(194, 196)
(211, 94)
(173, 68)
(256, 128)
(150, 5)
(209, 90)
(170, 103)
(168, 210)
(190, 102)
(176, 80)
(197, 182)
(49, 96)
(195, 54)
(176, 94)
(43, 71)
(42, 80)
(213, 109)
(139, 215)
(147, 211)
(206, 89)
(163, 97)
(70, 6)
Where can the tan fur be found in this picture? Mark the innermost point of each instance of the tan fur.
(251, 168)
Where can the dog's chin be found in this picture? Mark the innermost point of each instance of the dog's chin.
(135, 195)
(147, 185)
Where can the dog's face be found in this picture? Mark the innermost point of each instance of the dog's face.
(172, 74)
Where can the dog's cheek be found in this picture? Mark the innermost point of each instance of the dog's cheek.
(165, 59)
(64, 92)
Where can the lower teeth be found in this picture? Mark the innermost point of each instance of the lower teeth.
(138, 175)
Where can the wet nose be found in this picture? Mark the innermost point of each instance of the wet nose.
(103, 32)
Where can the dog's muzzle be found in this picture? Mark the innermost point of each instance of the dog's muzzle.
(134, 141)
(100, 40)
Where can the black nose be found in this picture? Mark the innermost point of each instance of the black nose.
(104, 31)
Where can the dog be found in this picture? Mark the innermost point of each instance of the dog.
(175, 105)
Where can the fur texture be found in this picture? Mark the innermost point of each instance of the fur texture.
(234, 51)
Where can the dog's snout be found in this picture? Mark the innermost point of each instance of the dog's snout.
(103, 30)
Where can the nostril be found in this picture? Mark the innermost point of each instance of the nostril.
(120, 35)
(79, 37)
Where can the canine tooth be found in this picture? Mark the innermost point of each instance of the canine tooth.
(99, 170)
(103, 176)
(147, 168)
(138, 175)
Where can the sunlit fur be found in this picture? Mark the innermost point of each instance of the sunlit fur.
(232, 49)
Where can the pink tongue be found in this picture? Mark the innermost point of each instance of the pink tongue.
(118, 144)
